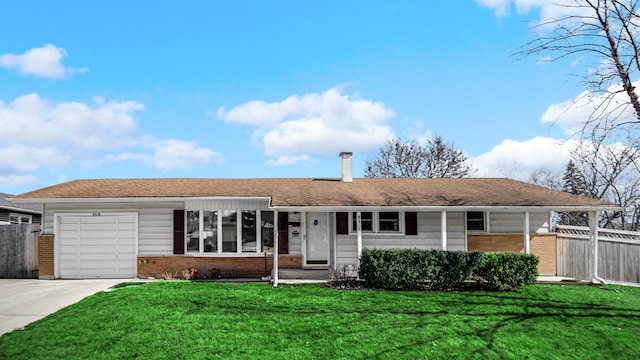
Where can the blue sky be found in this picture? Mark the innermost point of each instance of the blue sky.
(140, 89)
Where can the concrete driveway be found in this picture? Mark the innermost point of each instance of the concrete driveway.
(23, 301)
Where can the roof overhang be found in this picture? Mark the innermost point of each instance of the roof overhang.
(496, 208)
(134, 199)
(22, 210)
(327, 208)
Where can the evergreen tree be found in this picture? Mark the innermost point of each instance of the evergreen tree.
(574, 183)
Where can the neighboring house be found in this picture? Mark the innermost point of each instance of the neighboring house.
(231, 227)
(18, 213)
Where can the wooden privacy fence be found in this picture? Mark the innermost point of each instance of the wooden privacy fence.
(618, 253)
(18, 251)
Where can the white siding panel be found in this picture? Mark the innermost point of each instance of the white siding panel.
(347, 249)
(155, 222)
(295, 246)
(429, 237)
(248, 204)
(456, 238)
(513, 222)
(155, 236)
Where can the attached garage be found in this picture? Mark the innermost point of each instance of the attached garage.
(96, 245)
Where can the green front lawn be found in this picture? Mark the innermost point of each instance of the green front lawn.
(191, 320)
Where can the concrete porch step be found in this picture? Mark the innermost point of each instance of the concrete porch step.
(307, 274)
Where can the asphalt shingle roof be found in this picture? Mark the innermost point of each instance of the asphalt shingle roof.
(27, 207)
(328, 192)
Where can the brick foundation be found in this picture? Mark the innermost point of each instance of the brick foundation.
(45, 257)
(214, 267)
(542, 245)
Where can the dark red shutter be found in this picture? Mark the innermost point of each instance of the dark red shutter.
(178, 231)
(411, 223)
(342, 223)
(283, 233)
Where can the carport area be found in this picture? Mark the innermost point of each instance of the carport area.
(23, 301)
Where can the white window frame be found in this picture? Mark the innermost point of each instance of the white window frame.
(20, 217)
(485, 216)
(219, 214)
(376, 223)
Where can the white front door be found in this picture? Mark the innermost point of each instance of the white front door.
(317, 239)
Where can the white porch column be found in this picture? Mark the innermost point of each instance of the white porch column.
(276, 249)
(359, 232)
(443, 229)
(593, 246)
(527, 234)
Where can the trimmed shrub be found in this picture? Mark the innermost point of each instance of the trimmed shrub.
(412, 269)
(504, 271)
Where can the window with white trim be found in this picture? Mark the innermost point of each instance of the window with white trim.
(19, 218)
(475, 221)
(228, 231)
(366, 221)
(377, 222)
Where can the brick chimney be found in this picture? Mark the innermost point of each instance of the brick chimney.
(345, 166)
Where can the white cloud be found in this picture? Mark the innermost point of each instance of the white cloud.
(314, 124)
(290, 160)
(37, 133)
(572, 114)
(44, 62)
(169, 154)
(23, 159)
(14, 179)
(174, 154)
(518, 159)
(31, 120)
(548, 8)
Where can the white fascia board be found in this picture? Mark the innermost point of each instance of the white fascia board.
(138, 199)
(447, 208)
(21, 210)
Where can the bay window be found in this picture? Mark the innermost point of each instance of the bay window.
(193, 231)
(249, 231)
(228, 231)
(210, 229)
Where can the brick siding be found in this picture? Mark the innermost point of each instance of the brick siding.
(45, 257)
(542, 245)
(214, 267)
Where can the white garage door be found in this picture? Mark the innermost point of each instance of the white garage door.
(97, 245)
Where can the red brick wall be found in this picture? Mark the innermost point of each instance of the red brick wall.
(542, 245)
(45, 256)
(213, 267)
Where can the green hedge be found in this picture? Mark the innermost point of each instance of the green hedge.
(413, 269)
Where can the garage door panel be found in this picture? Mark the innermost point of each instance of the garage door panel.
(97, 254)
(97, 246)
(98, 228)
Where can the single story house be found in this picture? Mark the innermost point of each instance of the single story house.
(122, 228)
(18, 213)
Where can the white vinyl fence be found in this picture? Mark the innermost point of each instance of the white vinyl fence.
(618, 253)
(18, 252)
